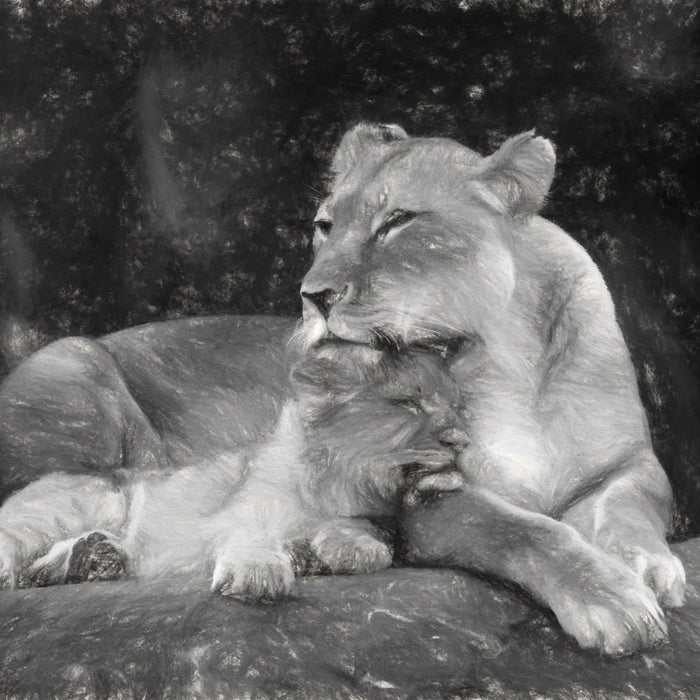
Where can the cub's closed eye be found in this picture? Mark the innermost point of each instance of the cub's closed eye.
(395, 220)
(410, 404)
(323, 226)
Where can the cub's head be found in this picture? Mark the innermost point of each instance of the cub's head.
(373, 419)
(415, 241)
(360, 404)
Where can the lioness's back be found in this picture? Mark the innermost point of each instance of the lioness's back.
(210, 382)
(155, 396)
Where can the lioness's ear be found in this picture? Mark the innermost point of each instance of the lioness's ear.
(520, 172)
(359, 140)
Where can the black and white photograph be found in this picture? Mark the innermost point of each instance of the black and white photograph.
(349, 349)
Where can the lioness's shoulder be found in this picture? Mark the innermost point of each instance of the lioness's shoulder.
(563, 261)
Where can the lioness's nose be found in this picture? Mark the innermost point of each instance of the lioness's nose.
(324, 299)
(454, 437)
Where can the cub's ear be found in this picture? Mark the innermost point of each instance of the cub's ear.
(359, 140)
(520, 173)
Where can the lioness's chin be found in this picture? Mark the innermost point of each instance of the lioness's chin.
(337, 331)
(445, 346)
(340, 330)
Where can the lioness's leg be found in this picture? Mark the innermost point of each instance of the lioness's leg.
(53, 510)
(598, 600)
(350, 546)
(628, 517)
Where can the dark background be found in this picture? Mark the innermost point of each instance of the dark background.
(163, 159)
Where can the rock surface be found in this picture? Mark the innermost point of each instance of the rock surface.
(401, 633)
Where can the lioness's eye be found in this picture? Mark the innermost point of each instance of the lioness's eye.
(323, 227)
(393, 221)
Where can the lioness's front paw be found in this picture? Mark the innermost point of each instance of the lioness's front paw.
(253, 573)
(347, 550)
(664, 574)
(614, 612)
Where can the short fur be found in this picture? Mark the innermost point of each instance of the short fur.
(420, 240)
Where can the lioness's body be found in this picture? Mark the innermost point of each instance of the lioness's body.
(552, 400)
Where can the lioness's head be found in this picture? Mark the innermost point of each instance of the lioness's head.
(414, 242)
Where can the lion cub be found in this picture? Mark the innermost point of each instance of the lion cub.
(360, 419)
(337, 457)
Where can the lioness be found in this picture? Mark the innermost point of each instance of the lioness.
(421, 241)
(336, 458)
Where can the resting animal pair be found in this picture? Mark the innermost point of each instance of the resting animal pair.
(420, 241)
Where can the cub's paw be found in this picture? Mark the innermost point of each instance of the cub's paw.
(7, 564)
(349, 550)
(663, 573)
(612, 611)
(93, 556)
(253, 573)
(428, 480)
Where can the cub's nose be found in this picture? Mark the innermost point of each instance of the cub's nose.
(323, 300)
(455, 438)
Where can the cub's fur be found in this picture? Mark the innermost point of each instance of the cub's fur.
(337, 456)
(422, 240)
